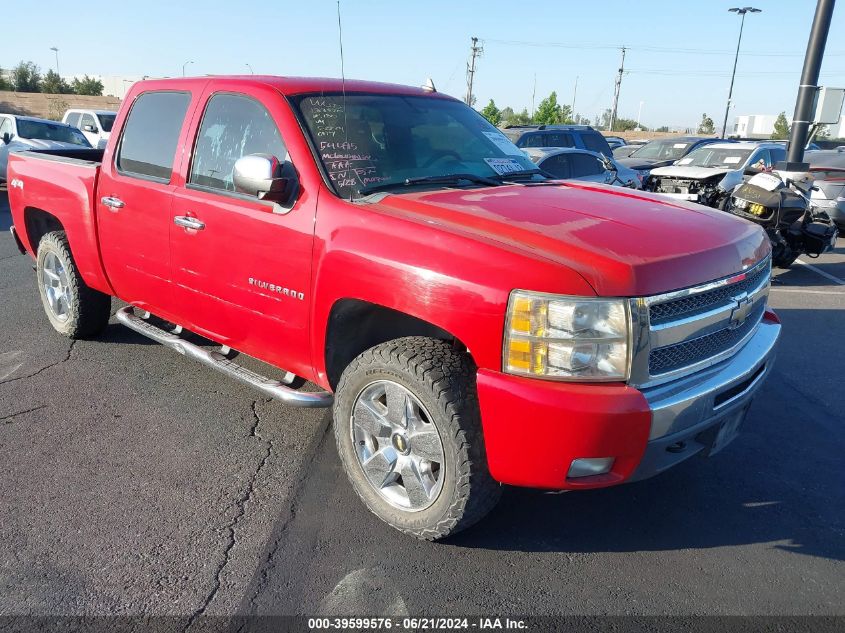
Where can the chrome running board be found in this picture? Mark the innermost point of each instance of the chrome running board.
(218, 361)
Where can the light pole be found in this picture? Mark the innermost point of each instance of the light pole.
(640, 113)
(250, 69)
(56, 51)
(183, 67)
(741, 12)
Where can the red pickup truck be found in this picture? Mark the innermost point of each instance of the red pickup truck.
(472, 321)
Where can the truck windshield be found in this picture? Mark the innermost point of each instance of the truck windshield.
(107, 121)
(373, 141)
(47, 131)
(662, 150)
(716, 157)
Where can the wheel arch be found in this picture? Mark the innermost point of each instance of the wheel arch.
(356, 325)
(37, 223)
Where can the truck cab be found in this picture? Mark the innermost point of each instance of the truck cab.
(470, 321)
(95, 125)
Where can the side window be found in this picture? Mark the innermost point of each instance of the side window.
(595, 143)
(558, 139)
(151, 134)
(760, 159)
(5, 126)
(87, 119)
(232, 126)
(532, 140)
(777, 155)
(585, 165)
(558, 166)
(73, 119)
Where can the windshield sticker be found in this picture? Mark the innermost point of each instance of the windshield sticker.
(679, 145)
(732, 160)
(504, 165)
(503, 143)
(684, 161)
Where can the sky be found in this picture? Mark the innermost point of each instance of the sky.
(678, 63)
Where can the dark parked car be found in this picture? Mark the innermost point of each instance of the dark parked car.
(579, 164)
(615, 142)
(828, 170)
(663, 152)
(579, 136)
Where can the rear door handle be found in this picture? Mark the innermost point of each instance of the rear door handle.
(112, 202)
(188, 222)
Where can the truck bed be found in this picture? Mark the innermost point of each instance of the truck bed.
(62, 183)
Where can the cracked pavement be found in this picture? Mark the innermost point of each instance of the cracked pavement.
(136, 482)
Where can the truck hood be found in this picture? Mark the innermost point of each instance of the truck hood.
(622, 242)
(692, 173)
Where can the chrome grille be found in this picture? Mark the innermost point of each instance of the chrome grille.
(680, 332)
(673, 357)
(704, 301)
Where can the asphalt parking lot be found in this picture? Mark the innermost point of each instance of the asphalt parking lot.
(135, 482)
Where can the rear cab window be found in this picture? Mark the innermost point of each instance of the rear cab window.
(150, 135)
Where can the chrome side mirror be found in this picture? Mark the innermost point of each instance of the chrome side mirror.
(267, 178)
(89, 128)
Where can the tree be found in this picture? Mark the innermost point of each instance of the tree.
(88, 86)
(605, 120)
(550, 112)
(622, 125)
(823, 132)
(781, 127)
(662, 128)
(706, 126)
(26, 77)
(4, 84)
(54, 84)
(509, 117)
(492, 113)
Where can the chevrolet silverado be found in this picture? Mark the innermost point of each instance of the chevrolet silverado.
(471, 321)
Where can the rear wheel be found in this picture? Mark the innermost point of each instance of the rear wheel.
(409, 436)
(73, 308)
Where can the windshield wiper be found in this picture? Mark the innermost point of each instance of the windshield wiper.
(445, 179)
(523, 173)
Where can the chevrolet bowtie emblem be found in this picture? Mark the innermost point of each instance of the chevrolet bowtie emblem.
(741, 310)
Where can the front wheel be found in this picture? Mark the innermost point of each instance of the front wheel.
(408, 433)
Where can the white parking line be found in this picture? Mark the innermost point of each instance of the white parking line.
(824, 274)
(799, 291)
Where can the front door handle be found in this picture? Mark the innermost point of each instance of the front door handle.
(188, 222)
(112, 203)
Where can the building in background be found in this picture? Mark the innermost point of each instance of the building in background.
(762, 125)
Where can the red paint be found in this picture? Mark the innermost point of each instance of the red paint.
(448, 257)
(533, 429)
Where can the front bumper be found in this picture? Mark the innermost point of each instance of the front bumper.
(534, 429)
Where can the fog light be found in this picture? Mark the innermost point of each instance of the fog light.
(589, 466)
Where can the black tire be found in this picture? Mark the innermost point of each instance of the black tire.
(87, 310)
(785, 261)
(443, 381)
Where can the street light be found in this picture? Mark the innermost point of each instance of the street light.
(56, 50)
(639, 114)
(250, 69)
(741, 12)
(183, 67)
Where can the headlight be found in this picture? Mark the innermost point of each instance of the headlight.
(566, 338)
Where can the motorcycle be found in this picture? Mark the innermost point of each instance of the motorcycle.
(779, 201)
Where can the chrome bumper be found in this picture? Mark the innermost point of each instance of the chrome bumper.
(684, 409)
